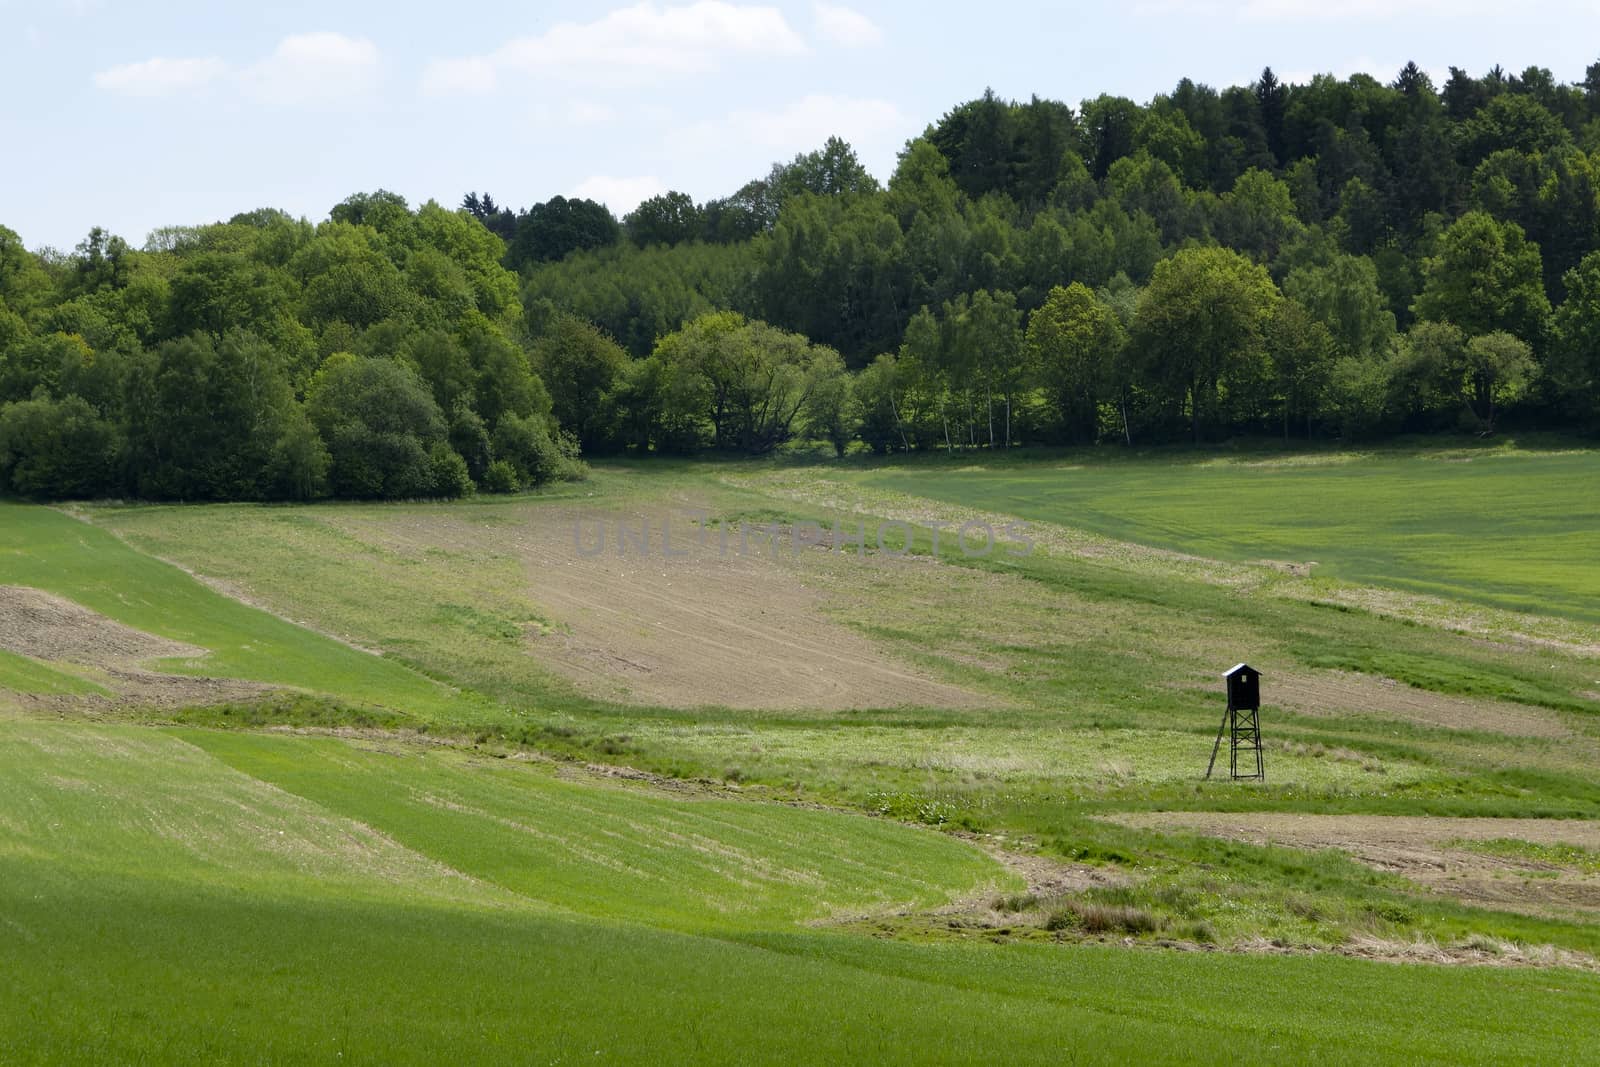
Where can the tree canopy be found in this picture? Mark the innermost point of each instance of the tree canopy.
(1344, 256)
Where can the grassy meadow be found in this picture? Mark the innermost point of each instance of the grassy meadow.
(1500, 526)
(434, 823)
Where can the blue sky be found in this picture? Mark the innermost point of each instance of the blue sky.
(133, 114)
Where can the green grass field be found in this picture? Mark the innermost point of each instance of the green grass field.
(301, 898)
(1515, 529)
(452, 849)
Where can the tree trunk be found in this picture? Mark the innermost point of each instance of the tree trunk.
(988, 404)
(899, 426)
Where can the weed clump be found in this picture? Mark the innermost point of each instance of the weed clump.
(1094, 918)
(1016, 902)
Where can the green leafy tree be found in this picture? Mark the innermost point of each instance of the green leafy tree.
(475, 251)
(349, 278)
(901, 400)
(1361, 217)
(1343, 295)
(1303, 352)
(1106, 128)
(382, 428)
(749, 380)
(640, 295)
(982, 334)
(668, 219)
(979, 139)
(580, 365)
(1485, 278)
(58, 450)
(506, 383)
(1164, 132)
(1074, 343)
(1201, 327)
(1357, 396)
(557, 228)
(1142, 183)
(24, 284)
(1510, 121)
(1257, 215)
(830, 412)
(832, 170)
(1427, 371)
(1573, 367)
(217, 420)
(443, 362)
(921, 185)
(834, 269)
(382, 210)
(1499, 368)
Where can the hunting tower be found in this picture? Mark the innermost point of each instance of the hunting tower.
(1242, 725)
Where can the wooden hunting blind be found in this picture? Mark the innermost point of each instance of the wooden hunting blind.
(1242, 724)
(1244, 688)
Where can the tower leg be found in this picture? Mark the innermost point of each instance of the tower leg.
(1220, 731)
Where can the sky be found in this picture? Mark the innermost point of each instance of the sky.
(136, 114)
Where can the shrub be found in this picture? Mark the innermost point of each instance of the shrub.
(500, 477)
(1394, 912)
(450, 477)
(535, 452)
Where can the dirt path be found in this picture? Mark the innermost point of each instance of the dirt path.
(1424, 849)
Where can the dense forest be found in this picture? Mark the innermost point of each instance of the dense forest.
(1342, 259)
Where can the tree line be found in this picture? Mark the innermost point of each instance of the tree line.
(1349, 257)
(379, 354)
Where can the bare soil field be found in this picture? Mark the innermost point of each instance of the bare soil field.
(1344, 693)
(1424, 849)
(736, 623)
(55, 630)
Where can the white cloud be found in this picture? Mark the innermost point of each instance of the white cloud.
(621, 195)
(802, 126)
(471, 75)
(1318, 10)
(587, 113)
(303, 69)
(312, 67)
(845, 26)
(627, 47)
(569, 114)
(1357, 10)
(160, 77)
